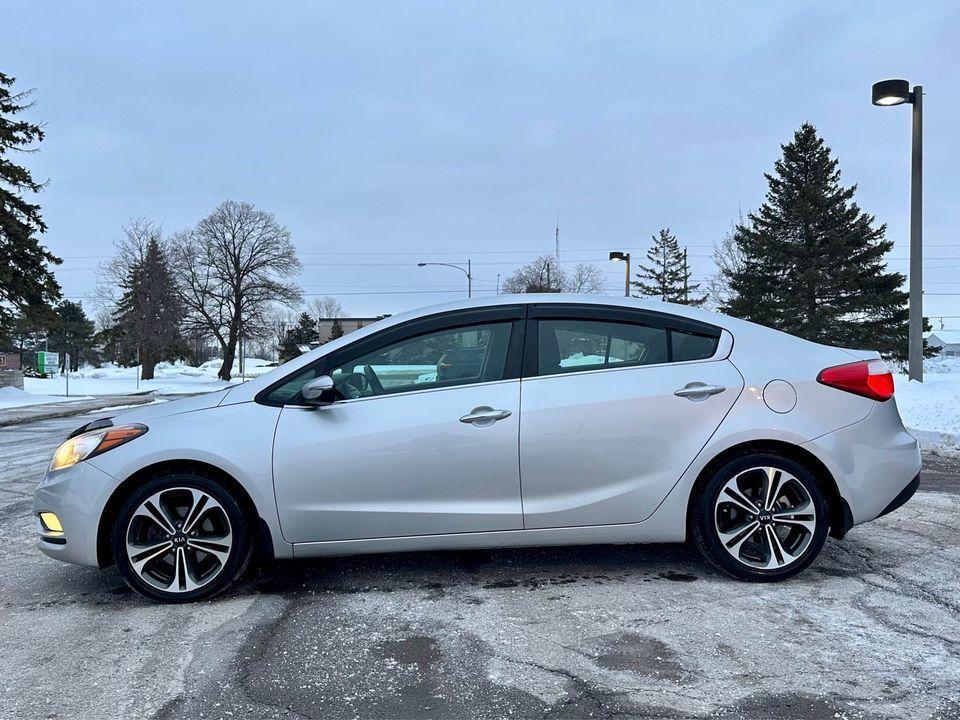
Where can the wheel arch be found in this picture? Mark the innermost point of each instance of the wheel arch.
(263, 541)
(841, 518)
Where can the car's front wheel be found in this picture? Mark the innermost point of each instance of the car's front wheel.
(181, 537)
(761, 517)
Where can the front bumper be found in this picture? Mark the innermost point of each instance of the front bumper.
(77, 495)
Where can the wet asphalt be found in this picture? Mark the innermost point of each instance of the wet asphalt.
(871, 630)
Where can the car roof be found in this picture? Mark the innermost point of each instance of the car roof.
(566, 299)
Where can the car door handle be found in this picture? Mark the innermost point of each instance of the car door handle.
(484, 416)
(699, 391)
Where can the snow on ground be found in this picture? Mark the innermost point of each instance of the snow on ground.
(111, 408)
(931, 409)
(11, 397)
(169, 379)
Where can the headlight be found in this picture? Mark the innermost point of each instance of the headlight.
(94, 442)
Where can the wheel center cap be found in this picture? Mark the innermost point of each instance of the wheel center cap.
(179, 539)
(765, 516)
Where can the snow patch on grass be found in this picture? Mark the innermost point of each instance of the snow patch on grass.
(169, 379)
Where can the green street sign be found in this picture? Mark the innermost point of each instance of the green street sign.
(48, 362)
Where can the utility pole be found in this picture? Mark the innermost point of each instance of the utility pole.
(498, 283)
(556, 239)
(686, 276)
(242, 365)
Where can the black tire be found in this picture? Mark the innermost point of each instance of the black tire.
(706, 517)
(237, 557)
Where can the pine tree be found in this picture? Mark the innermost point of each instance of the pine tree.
(336, 329)
(668, 276)
(305, 331)
(25, 280)
(813, 261)
(148, 314)
(73, 333)
(289, 349)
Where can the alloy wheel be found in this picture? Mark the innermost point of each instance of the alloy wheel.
(765, 518)
(179, 539)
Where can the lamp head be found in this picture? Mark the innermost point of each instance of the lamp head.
(618, 256)
(891, 92)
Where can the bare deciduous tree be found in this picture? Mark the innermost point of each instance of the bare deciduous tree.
(728, 258)
(325, 307)
(233, 267)
(544, 275)
(129, 252)
(586, 279)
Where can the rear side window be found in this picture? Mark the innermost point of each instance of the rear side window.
(574, 345)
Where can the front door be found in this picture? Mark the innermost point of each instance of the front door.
(604, 436)
(423, 441)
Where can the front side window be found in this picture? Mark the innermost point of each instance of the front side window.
(289, 390)
(573, 345)
(458, 356)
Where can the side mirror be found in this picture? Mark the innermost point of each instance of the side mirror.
(313, 392)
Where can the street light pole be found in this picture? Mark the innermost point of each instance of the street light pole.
(468, 271)
(916, 239)
(897, 92)
(618, 256)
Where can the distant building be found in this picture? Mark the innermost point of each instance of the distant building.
(9, 360)
(10, 370)
(946, 341)
(325, 325)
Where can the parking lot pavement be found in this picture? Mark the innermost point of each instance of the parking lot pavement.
(872, 630)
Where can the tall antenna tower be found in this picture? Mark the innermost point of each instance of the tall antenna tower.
(556, 238)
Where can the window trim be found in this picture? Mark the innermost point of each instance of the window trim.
(407, 331)
(614, 314)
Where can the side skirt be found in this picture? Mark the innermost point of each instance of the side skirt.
(589, 535)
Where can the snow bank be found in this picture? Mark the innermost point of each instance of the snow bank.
(169, 379)
(931, 409)
(11, 397)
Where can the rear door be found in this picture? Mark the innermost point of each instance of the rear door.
(604, 434)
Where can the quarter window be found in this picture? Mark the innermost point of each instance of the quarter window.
(687, 346)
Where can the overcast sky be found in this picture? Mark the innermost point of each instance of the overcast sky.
(385, 134)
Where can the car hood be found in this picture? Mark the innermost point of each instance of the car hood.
(145, 413)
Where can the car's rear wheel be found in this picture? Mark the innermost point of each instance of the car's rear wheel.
(181, 537)
(760, 517)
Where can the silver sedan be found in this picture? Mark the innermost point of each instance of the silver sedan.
(510, 421)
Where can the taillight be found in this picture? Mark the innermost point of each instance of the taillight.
(869, 378)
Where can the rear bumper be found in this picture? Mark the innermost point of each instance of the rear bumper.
(874, 462)
(903, 497)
